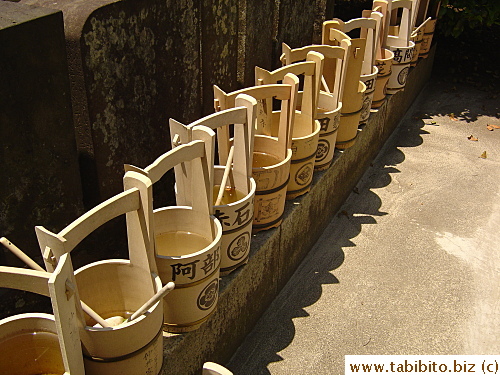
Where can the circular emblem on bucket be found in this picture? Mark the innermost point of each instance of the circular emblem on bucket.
(402, 75)
(322, 150)
(239, 246)
(208, 295)
(365, 110)
(304, 174)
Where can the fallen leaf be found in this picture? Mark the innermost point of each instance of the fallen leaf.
(432, 123)
(472, 138)
(483, 155)
(452, 117)
(492, 127)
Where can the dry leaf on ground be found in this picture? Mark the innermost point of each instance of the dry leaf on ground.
(453, 117)
(472, 138)
(483, 155)
(492, 127)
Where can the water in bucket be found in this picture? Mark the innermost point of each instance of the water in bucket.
(231, 195)
(179, 243)
(31, 353)
(262, 159)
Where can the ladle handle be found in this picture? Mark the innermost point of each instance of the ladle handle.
(34, 265)
(20, 254)
(160, 294)
(223, 183)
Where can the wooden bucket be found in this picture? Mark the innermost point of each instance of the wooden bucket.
(354, 90)
(384, 66)
(186, 239)
(401, 46)
(383, 57)
(430, 25)
(368, 29)
(271, 155)
(427, 38)
(400, 65)
(29, 345)
(193, 265)
(115, 288)
(328, 104)
(305, 130)
(236, 209)
(37, 343)
(349, 121)
(416, 37)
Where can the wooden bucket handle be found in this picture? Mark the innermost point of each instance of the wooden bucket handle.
(354, 62)
(368, 29)
(133, 203)
(54, 245)
(405, 26)
(333, 64)
(382, 6)
(312, 69)
(244, 119)
(286, 92)
(378, 17)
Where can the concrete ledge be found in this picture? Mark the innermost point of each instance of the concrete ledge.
(275, 254)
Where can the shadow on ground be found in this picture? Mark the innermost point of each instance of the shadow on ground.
(276, 330)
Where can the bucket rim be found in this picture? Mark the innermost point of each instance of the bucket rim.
(213, 243)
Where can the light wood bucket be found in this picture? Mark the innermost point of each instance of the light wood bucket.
(236, 208)
(370, 82)
(369, 29)
(401, 45)
(416, 37)
(427, 38)
(186, 239)
(271, 155)
(400, 65)
(384, 66)
(134, 347)
(37, 343)
(116, 287)
(353, 91)
(328, 106)
(194, 271)
(305, 129)
(29, 345)
(348, 127)
(272, 182)
(304, 148)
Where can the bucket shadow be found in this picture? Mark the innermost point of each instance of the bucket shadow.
(276, 330)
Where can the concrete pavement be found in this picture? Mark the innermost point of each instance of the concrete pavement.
(410, 265)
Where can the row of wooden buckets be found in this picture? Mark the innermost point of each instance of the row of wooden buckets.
(109, 315)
